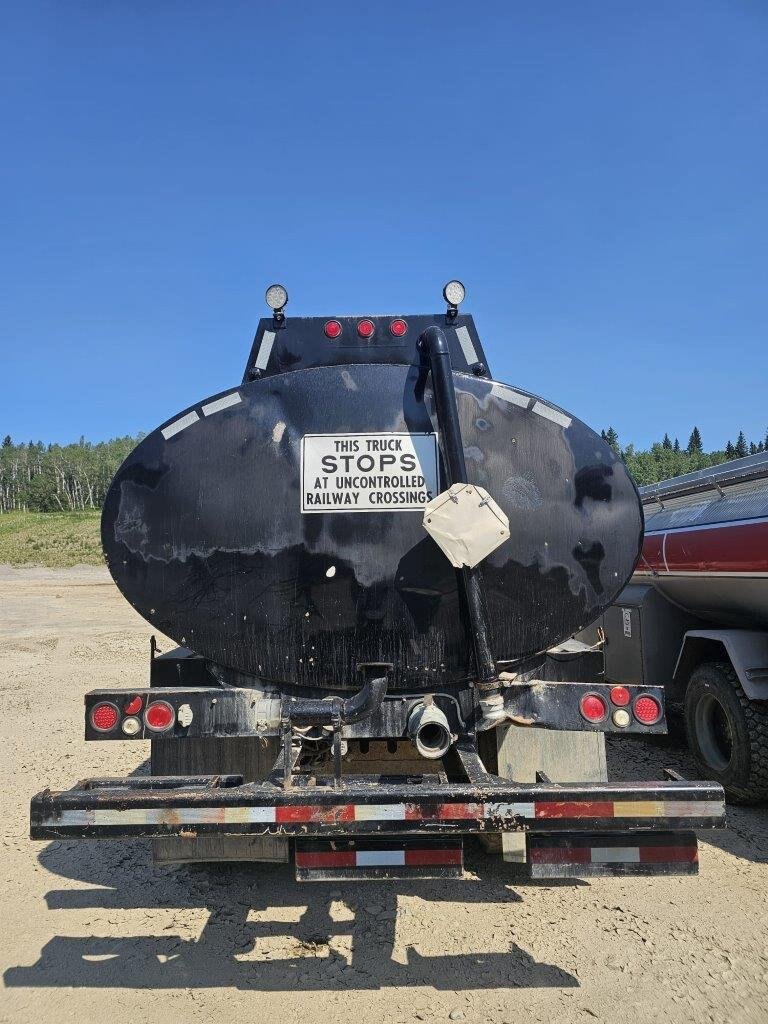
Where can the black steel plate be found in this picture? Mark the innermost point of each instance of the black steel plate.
(203, 532)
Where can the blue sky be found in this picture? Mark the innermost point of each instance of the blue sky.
(596, 173)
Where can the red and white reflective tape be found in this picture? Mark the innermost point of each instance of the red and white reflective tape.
(325, 814)
(672, 854)
(409, 858)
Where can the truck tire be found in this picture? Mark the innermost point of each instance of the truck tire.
(727, 732)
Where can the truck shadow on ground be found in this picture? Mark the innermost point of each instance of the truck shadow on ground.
(321, 936)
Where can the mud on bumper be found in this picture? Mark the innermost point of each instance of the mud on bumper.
(157, 806)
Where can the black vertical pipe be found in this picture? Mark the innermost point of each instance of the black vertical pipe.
(434, 343)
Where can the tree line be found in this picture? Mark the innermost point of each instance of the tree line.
(667, 458)
(74, 477)
(59, 478)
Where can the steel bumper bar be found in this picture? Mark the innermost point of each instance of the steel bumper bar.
(151, 806)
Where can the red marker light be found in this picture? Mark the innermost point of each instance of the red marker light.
(398, 328)
(647, 710)
(159, 716)
(620, 696)
(332, 329)
(593, 708)
(104, 717)
(133, 706)
(366, 328)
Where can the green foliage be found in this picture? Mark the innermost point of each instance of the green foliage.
(58, 478)
(665, 460)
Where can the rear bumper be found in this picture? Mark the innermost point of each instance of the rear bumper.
(365, 806)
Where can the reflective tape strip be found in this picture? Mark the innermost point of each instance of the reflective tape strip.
(458, 812)
(265, 349)
(615, 854)
(574, 809)
(416, 858)
(221, 403)
(339, 813)
(181, 424)
(379, 858)
(325, 858)
(693, 808)
(506, 810)
(380, 812)
(508, 395)
(638, 809)
(465, 340)
(72, 818)
(160, 816)
(235, 815)
(552, 414)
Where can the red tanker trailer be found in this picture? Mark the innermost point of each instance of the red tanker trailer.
(694, 617)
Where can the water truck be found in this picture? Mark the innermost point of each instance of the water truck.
(371, 557)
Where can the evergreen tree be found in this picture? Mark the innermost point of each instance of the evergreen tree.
(740, 448)
(612, 438)
(730, 451)
(7, 442)
(752, 448)
(676, 446)
(694, 442)
(666, 443)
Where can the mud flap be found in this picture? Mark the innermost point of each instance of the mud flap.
(320, 860)
(616, 853)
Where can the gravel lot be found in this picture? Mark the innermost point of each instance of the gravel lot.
(93, 931)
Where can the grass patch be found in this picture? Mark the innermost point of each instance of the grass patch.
(53, 539)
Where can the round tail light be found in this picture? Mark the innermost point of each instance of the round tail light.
(620, 696)
(398, 328)
(366, 328)
(647, 710)
(104, 716)
(332, 329)
(159, 716)
(593, 707)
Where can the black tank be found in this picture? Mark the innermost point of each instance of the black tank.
(276, 529)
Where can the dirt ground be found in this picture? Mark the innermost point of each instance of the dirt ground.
(92, 932)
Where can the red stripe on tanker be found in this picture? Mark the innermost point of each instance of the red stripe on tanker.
(735, 548)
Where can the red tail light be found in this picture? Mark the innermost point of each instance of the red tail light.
(620, 696)
(366, 328)
(104, 717)
(133, 706)
(332, 329)
(398, 328)
(593, 707)
(647, 710)
(159, 716)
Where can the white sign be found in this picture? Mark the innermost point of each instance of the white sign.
(367, 472)
(626, 615)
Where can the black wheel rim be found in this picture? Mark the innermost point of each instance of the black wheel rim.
(713, 732)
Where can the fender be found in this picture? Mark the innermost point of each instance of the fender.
(746, 649)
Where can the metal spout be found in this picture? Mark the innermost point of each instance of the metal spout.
(429, 730)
